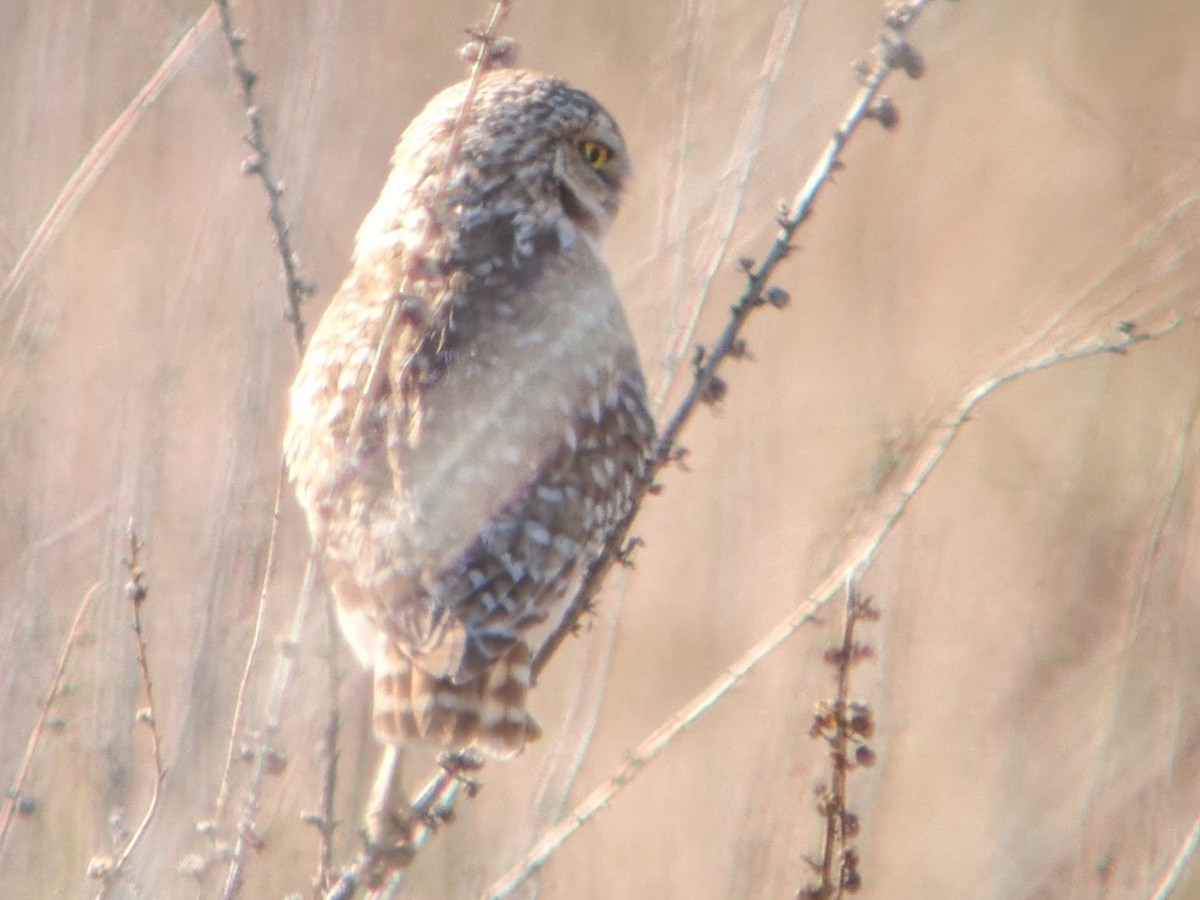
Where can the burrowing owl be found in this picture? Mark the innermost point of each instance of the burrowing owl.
(470, 418)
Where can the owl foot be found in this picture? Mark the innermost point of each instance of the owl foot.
(389, 826)
(389, 836)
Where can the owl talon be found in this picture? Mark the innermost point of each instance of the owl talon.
(456, 762)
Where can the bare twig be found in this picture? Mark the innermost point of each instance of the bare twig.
(943, 436)
(135, 591)
(251, 655)
(577, 732)
(482, 41)
(13, 801)
(323, 820)
(267, 759)
(259, 163)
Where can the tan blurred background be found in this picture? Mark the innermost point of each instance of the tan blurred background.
(1040, 597)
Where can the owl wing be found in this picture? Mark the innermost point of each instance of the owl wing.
(341, 402)
(517, 440)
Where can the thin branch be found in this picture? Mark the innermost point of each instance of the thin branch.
(259, 163)
(251, 655)
(12, 802)
(433, 807)
(323, 820)
(267, 758)
(939, 442)
(482, 43)
(561, 770)
(135, 591)
(483, 47)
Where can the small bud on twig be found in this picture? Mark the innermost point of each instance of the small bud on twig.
(899, 54)
(778, 297)
(714, 392)
(885, 113)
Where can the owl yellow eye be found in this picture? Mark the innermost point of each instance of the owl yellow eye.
(596, 153)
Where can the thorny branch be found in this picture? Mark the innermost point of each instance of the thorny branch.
(135, 591)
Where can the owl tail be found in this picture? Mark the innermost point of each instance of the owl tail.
(489, 710)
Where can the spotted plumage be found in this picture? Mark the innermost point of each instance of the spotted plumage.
(470, 418)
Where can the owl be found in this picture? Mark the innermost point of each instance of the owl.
(470, 419)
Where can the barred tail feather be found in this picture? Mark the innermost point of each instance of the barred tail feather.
(489, 710)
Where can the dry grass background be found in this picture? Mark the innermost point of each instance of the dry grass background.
(1040, 596)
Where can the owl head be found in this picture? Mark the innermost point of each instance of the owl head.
(528, 164)
(541, 135)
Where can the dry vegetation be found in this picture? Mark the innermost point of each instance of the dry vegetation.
(981, 403)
